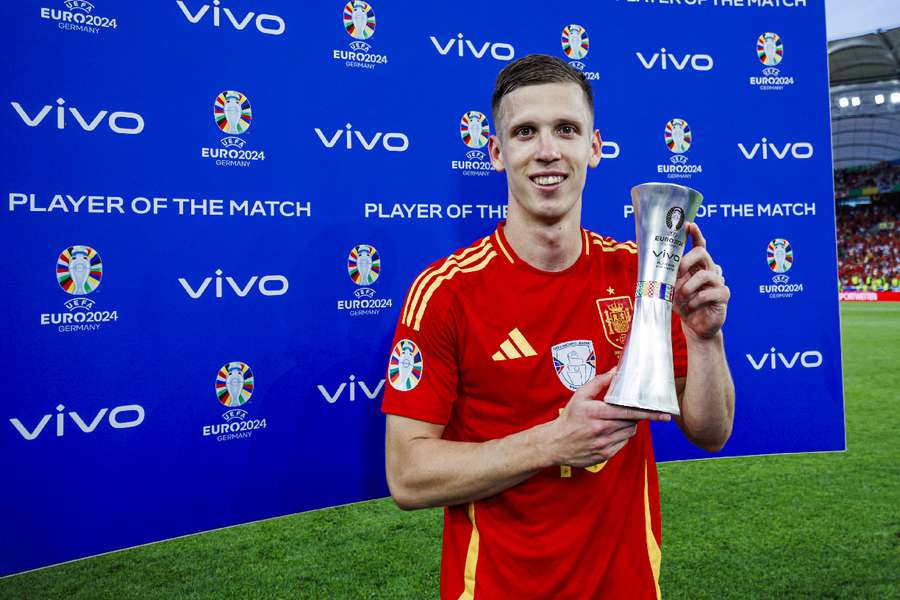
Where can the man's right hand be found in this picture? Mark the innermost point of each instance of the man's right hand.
(590, 431)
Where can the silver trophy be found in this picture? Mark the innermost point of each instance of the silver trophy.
(645, 378)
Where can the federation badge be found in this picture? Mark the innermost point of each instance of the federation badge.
(574, 362)
(615, 314)
(405, 367)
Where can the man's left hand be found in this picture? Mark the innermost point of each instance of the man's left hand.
(701, 296)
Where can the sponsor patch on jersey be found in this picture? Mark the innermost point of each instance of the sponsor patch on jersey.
(615, 314)
(405, 367)
(574, 362)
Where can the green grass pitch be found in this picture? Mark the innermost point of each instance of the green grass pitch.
(801, 526)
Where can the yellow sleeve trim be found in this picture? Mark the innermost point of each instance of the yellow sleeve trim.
(454, 269)
(415, 290)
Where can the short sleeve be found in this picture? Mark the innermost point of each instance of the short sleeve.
(423, 367)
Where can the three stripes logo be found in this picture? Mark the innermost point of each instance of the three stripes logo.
(514, 346)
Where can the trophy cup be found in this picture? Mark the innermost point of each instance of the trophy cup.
(645, 378)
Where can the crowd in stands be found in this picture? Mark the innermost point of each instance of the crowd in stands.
(883, 176)
(868, 246)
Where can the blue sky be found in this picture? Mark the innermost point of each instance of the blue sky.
(853, 17)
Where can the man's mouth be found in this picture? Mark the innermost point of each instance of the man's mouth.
(547, 180)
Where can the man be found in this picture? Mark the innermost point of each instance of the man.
(549, 493)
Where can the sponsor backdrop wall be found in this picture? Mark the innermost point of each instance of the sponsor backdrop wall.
(215, 208)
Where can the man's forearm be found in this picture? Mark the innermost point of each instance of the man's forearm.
(707, 405)
(440, 472)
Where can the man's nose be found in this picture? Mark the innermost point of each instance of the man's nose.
(547, 148)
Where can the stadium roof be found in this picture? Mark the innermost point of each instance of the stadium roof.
(865, 96)
(865, 58)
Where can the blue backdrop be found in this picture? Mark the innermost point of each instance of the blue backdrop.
(188, 185)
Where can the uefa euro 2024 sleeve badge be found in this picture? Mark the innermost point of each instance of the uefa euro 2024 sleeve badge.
(406, 366)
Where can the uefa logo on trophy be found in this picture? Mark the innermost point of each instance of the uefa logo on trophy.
(645, 378)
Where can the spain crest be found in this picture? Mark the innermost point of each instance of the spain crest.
(574, 362)
(615, 314)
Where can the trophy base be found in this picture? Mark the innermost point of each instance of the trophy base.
(645, 378)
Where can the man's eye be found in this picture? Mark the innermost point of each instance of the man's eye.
(567, 130)
(524, 131)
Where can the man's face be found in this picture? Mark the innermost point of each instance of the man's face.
(545, 141)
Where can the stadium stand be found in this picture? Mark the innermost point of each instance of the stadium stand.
(865, 94)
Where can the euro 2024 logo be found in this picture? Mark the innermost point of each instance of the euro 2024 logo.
(364, 268)
(79, 271)
(359, 22)
(575, 45)
(475, 131)
(78, 15)
(780, 258)
(233, 117)
(234, 386)
(678, 138)
(770, 51)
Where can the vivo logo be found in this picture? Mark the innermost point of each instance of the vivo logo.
(391, 141)
(663, 59)
(798, 150)
(609, 150)
(267, 285)
(127, 123)
(772, 359)
(499, 50)
(331, 398)
(268, 24)
(121, 417)
(673, 256)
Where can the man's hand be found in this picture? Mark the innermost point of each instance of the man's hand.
(701, 296)
(590, 431)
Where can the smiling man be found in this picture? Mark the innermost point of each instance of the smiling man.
(501, 359)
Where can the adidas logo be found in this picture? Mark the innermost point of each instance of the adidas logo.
(514, 346)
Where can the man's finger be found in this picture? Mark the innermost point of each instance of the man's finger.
(598, 383)
(697, 239)
(697, 258)
(624, 413)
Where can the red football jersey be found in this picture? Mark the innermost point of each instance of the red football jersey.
(487, 345)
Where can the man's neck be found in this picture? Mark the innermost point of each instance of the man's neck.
(545, 246)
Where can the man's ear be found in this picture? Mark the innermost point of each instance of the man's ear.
(494, 153)
(596, 148)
